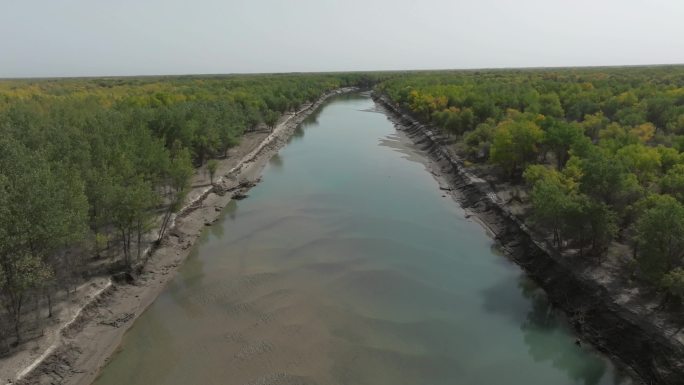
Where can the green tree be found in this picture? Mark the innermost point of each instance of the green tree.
(43, 210)
(131, 214)
(178, 180)
(515, 144)
(560, 137)
(466, 120)
(594, 123)
(673, 282)
(570, 215)
(479, 140)
(673, 182)
(20, 274)
(660, 234)
(271, 119)
(602, 175)
(594, 224)
(643, 161)
(551, 200)
(212, 166)
(550, 105)
(669, 157)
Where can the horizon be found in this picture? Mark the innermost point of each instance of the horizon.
(587, 67)
(81, 38)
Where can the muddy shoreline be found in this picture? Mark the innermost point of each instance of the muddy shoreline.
(86, 344)
(639, 346)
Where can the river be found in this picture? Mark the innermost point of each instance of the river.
(348, 265)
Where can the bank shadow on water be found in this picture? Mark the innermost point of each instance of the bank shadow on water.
(346, 265)
(544, 329)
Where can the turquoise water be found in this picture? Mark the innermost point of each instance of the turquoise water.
(346, 265)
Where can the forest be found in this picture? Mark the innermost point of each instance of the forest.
(597, 152)
(87, 165)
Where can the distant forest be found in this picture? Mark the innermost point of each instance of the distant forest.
(598, 151)
(87, 165)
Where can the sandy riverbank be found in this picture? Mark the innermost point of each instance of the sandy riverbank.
(83, 343)
(618, 319)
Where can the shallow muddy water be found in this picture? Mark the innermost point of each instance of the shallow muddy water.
(346, 265)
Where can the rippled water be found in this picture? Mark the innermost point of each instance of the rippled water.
(347, 266)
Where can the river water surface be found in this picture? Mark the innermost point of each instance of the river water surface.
(346, 265)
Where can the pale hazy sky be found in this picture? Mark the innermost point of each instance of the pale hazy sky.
(143, 37)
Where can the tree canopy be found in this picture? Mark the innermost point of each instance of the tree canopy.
(87, 164)
(599, 149)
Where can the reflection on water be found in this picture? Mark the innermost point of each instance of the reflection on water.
(276, 161)
(347, 266)
(298, 132)
(541, 327)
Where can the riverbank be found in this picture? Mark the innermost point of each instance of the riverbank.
(83, 345)
(619, 321)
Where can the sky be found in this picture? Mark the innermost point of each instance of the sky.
(46, 38)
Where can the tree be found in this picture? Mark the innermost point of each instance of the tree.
(205, 140)
(601, 175)
(43, 210)
(676, 126)
(594, 123)
(658, 110)
(447, 119)
(229, 134)
(673, 182)
(551, 200)
(560, 137)
(478, 141)
(669, 158)
(515, 144)
(595, 223)
(643, 161)
(212, 166)
(466, 120)
(271, 119)
(20, 274)
(644, 132)
(550, 105)
(570, 215)
(660, 235)
(615, 136)
(673, 282)
(178, 180)
(131, 214)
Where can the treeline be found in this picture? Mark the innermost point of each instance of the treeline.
(599, 149)
(88, 166)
